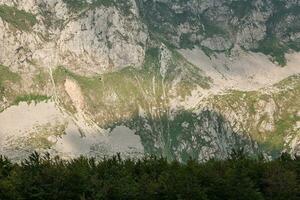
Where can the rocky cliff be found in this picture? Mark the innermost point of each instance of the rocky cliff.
(95, 36)
(267, 26)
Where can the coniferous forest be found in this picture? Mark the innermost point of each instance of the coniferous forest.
(239, 177)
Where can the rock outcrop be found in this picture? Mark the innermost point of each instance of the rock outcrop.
(87, 39)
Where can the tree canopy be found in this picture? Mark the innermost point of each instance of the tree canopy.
(239, 177)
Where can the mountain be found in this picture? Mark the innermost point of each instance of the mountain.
(177, 78)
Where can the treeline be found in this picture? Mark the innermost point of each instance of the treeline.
(240, 177)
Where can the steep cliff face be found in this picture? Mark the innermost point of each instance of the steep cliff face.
(86, 37)
(189, 78)
(199, 134)
(100, 36)
(268, 26)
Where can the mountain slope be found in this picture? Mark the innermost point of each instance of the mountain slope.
(189, 78)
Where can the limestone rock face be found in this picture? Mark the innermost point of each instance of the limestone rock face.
(95, 37)
(221, 24)
(92, 39)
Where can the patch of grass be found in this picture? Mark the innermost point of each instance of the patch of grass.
(7, 78)
(236, 99)
(29, 98)
(39, 139)
(7, 75)
(288, 102)
(41, 79)
(185, 41)
(79, 5)
(211, 28)
(76, 5)
(19, 19)
(241, 8)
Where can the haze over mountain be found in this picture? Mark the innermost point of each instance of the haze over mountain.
(174, 78)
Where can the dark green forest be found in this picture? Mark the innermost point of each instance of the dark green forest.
(239, 177)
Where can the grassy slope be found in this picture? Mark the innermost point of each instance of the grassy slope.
(10, 88)
(31, 97)
(116, 96)
(247, 107)
(7, 76)
(8, 81)
(19, 19)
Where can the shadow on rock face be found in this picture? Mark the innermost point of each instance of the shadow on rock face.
(187, 135)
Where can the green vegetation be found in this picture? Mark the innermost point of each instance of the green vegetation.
(11, 89)
(76, 5)
(164, 20)
(39, 139)
(7, 75)
(29, 98)
(288, 102)
(79, 5)
(185, 41)
(250, 108)
(273, 47)
(239, 99)
(19, 19)
(43, 177)
(271, 44)
(41, 79)
(241, 8)
(211, 28)
(7, 79)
